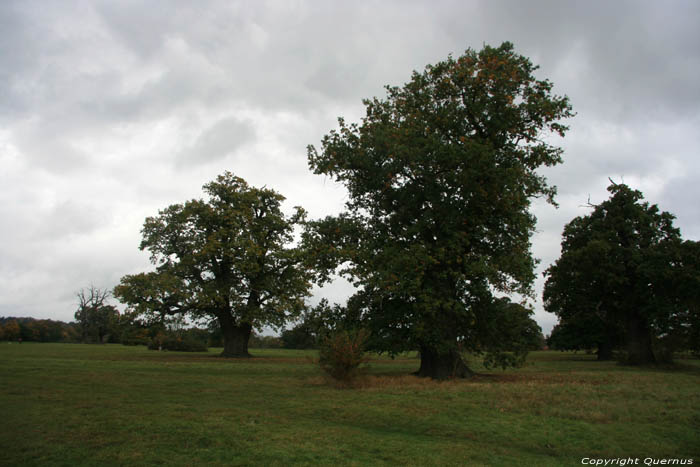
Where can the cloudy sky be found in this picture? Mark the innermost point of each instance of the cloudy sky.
(111, 110)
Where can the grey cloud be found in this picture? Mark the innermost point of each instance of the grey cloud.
(70, 218)
(49, 150)
(223, 138)
(17, 53)
(680, 196)
(630, 60)
(141, 29)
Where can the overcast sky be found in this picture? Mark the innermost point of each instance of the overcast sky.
(112, 110)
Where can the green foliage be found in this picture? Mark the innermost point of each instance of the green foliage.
(37, 330)
(11, 330)
(318, 322)
(227, 258)
(624, 276)
(135, 340)
(577, 334)
(683, 324)
(586, 331)
(299, 337)
(96, 320)
(136, 332)
(342, 354)
(179, 342)
(511, 332)
(440, 176)
(216, 337)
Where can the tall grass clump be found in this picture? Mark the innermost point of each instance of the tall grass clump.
(342, 354)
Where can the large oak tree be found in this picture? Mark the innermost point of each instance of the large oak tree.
(440, 176)
(229, 258)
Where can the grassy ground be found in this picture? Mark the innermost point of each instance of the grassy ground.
(63, 404)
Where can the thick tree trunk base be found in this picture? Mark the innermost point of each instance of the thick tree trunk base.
(639, 350)
(605, 352)
(442, 366)
(236, 341)
(640, 358)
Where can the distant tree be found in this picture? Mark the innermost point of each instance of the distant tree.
(440, 176)
(527, 334)
(620, 278)
(11, 330)
(299, 337)
(316, 323)
(586, 331)
(265, 342)
(94, 316)
(585, 327)
(189, 340)
(216, 338)
(29, 331)
(509, 330)
(70, 333)
(679, 328)
(228, 258)
(689, 285)
(39, 330)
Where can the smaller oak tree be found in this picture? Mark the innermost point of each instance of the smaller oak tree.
(227, 259)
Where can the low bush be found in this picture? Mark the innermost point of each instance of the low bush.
(341, 354)
(176, 343)
(135, 341)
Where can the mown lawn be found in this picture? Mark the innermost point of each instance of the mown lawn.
(63, 404)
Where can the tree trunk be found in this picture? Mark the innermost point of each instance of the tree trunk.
(236, 338)
(443, 365)
(639, 351)
(605, 351)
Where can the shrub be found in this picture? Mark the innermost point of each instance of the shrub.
(299, 337)
(341, 354)
(135, 336)
(176, 343)
(135, 341)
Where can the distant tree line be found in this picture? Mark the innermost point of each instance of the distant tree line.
(37, 330)
(123, 330)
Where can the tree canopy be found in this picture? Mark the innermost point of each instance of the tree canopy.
(624, 277)
(95, 318)
(440, 175)
(229, 258)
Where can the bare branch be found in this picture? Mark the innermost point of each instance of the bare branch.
(588, 203)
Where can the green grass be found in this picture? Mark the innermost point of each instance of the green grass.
(63, 404)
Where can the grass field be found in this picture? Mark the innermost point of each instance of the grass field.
(64, 404)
